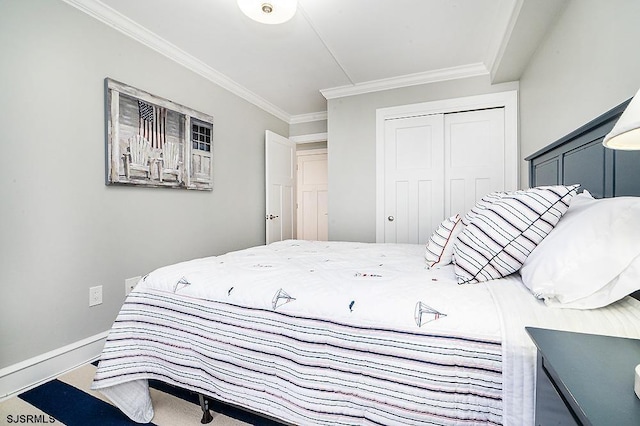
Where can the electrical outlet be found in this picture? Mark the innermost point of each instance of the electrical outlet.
(95, 295)
(129, 284)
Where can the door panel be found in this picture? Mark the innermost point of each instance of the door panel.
(413, 178)
(474, 157)
(313, 221)
(397, 229)
(286, 213)
(279, 177)
(308, 217)
(426, 218)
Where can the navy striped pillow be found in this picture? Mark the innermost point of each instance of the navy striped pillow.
(481, 205)
(498, 240)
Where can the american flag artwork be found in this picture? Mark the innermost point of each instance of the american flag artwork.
(152, 123)
(155, 142)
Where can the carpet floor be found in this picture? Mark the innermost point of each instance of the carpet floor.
(69, 401)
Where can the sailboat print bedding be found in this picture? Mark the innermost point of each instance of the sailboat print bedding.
(336, 333)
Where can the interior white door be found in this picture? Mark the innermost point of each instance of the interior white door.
(413, 178)
(474, 157)
(280, 159)
(312, 185)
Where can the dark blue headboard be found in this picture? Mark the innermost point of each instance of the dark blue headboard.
(580, 157)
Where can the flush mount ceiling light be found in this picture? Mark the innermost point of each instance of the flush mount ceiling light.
(268, 11)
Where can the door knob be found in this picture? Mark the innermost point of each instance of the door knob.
(391, 218)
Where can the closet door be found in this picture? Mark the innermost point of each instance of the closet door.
(413, 178)
(478, 154)
(474, 157)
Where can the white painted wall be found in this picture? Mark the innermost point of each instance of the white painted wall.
(352, 149)
(61, 229)
(588, 64)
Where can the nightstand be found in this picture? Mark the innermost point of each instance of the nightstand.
(585, 379)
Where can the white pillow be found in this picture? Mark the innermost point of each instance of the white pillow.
(591, 258)
(440, 245)
(498, 240)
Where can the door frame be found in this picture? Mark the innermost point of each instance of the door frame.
(507, 100)
(296, 141)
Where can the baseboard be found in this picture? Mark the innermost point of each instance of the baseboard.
(32, 372)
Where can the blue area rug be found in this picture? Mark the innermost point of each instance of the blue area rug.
(74, 407)
(66, 401)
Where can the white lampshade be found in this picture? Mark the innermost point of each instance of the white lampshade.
(626, 133)
(269, 11)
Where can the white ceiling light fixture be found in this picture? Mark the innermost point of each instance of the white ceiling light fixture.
(269, 11)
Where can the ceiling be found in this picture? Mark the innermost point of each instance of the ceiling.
(334, 48)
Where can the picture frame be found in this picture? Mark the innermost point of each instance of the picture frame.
(154, 142)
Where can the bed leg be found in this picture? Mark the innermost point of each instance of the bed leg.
(206, 414)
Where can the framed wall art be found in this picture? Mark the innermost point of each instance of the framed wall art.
(154, 142)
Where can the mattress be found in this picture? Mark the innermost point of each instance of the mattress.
(337, 333)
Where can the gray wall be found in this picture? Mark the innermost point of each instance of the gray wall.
(61, 229)
(589, 63)
(309, 127)
(352, 149)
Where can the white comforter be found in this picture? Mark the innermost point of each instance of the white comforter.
(366, 286)
(354, 283)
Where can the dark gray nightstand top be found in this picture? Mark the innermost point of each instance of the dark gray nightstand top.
(595, 373)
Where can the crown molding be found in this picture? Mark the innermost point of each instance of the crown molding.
(312, 137)
(131, 29)
(496, 51)
(454, 73)
(307, 118)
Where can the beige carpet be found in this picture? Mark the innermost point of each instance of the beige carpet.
(169, 410)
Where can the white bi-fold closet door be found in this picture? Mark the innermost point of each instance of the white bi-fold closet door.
(436, 165)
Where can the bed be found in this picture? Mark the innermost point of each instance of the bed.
(336, 333)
